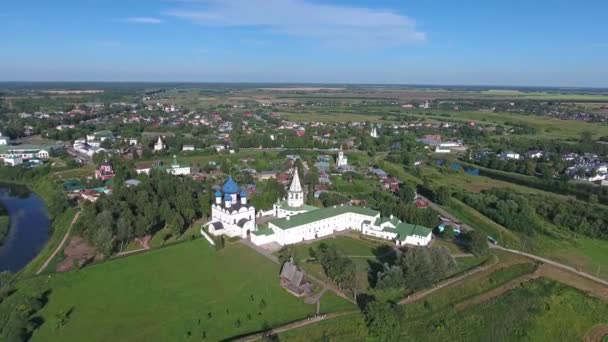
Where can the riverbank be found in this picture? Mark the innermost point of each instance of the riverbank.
(60, 214)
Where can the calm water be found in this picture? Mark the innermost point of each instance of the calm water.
(29, 228)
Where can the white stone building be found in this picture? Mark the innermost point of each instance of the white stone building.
(177, 169)
(159, 146)
(342, 159)
(231, 215)
(294, 203)
(296, 222)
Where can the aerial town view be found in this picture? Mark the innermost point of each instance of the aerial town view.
(299, 170)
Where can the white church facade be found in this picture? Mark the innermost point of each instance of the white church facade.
(296, 222)
(231, 214)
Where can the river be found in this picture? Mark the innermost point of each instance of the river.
(29, 230)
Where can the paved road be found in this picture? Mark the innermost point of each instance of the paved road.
(553, 263)
(65, 237)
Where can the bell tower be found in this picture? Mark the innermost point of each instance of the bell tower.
(295, 195)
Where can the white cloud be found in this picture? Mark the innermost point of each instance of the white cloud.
(333, 25)
(143, 20)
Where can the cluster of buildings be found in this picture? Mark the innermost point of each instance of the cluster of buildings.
(436, 143)
(292, 221)
(25, 154)
(175, 169)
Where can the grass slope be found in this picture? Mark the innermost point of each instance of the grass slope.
(540, 310)
(163, 294)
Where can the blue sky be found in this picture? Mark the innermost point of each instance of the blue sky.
(540, 42)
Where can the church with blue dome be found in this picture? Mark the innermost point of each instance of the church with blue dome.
(231, 214)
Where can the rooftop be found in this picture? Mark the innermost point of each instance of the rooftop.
(320, 214)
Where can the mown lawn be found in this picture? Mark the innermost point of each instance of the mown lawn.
(169, 294)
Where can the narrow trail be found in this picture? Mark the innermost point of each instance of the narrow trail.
(499, 291)
(272, 257)
(423, 293)
(294, 325)
(65, 238)
(553, 263)
(597, 334)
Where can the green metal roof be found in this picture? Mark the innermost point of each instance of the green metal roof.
(405, 229)
(320, 214)
(263, 231)
(24, 147)
(283, 205)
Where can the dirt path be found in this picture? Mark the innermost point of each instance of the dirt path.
(573, 280)
(554, 263)
(65, 238)
(272, 257)
(423, 293)
(499, 291)
(597, 333)
(295, 325)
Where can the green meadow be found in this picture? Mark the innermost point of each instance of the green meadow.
(179, 292)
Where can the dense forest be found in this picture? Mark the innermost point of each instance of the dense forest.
(160, 200)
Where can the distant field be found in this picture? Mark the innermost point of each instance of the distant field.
(547, 127)
(170, 294)
(516, 94)
(330, 117)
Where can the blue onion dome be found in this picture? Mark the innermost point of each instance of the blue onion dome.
(218, 194)
(227, 197)
(230, 187)
(243, 193)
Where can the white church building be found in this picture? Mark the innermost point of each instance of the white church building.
(296, 222)
(342, 160)
(231, 215)
(159, 146)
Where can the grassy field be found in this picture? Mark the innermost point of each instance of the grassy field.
(540, 310)
(589, 255)
(346, 328)
(546, 127)
(168, 294)
(541, 95)
(331, 117)
(472, 287)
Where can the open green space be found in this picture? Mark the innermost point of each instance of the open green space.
(540, 310)
(546, 127)
(589, 255)
(470, 288)
(331, 302)
(344, 328)
(169, 294)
